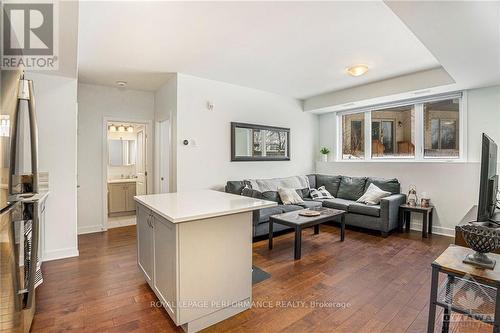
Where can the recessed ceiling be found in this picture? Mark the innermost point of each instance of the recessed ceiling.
(296, 49)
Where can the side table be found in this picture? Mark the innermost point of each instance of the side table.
(468, 290)
(405, 217)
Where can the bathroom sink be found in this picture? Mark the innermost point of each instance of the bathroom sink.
(122, 180)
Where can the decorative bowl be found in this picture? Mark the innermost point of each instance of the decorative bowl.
(482, 240)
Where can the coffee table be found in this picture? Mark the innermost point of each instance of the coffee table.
(299, 222)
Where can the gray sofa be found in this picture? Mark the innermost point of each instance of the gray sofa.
(346, 190)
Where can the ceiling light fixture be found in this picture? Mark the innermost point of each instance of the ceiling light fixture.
(112, 128)
(130, 129)
(121, 128)
(121, 84)
(357, 70)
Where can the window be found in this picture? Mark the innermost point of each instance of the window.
(353, 139)
(429, 128)
(441, 128)
(393, 132)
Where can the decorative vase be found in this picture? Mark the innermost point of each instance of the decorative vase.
(324, 157)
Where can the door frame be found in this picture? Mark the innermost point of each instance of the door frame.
(159, 151)
(148, 124)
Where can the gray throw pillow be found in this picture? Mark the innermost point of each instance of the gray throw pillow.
(351, 188)
(248, 192)
(331, 183)
(390, 185)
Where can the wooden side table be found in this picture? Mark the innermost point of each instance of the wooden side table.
(468, 290)
(405, 217)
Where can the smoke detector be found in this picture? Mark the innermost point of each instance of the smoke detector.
(121, 84)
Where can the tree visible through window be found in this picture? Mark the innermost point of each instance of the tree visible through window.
(353, 146)
(441, 126)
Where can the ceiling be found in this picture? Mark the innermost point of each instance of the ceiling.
(296, 49)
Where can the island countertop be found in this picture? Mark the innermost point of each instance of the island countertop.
(200, 204)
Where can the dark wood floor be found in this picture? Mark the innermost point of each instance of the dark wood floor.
(383, 283)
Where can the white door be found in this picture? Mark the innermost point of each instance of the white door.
(164, 149)
(141, 163)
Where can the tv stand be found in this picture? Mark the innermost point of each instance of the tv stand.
(471, 216)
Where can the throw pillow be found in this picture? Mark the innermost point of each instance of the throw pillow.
(289, 196)
(320, 193)
(248, 192)
(373, 195)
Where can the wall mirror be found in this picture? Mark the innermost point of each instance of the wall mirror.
(121, 152)
(251, 142)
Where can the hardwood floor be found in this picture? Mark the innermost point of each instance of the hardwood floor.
(365, 284)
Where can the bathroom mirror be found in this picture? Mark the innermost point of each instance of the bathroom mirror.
(121, 152)
(251, 142)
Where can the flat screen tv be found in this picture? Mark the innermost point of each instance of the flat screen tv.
(488, 185)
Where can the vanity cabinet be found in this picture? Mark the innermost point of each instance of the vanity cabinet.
(121, 198)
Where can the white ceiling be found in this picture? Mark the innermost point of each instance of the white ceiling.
(296, 49)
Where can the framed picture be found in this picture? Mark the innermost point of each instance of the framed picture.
(250, 142)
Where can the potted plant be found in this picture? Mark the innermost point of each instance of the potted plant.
(324, 152)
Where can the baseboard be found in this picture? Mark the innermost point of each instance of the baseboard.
(449, 232)
(60, 254)
(90, 229)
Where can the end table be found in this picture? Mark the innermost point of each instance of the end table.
(468, 290)
(405, 217)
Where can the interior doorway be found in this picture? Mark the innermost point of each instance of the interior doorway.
(126, 171)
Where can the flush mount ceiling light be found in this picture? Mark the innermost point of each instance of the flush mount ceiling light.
(130, 129)
(121, 84)
(112, 128)
(121, 128)
(357, 70)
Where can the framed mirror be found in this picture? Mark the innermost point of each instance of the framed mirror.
(251, 142)
(121, 152)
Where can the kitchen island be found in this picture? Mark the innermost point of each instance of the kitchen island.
(195, 251)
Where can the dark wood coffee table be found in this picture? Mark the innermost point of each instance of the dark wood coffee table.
(299, 222)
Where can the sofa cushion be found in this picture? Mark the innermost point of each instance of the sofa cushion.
(235, 186)
(289, 196)
(248, 192)
(337, 203)
(351, 188)
(271, 196)
(312, 180)
(359, 208)
(304, 193)
(311, 204)
(331, 183)
(289, 208)
(266, 212)
(390, 185)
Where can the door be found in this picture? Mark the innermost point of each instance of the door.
(165, 249)
(11, 315)
(117, 198)
(164, 150)
(141, 163)
(145, 243)
(130, 202)
(383, 132)
(9, 82)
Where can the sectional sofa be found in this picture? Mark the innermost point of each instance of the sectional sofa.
(346, 190)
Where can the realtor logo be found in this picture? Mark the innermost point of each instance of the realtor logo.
(29, 37)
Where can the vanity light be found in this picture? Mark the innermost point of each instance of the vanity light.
(112, 128)
(357, 70)
(121, 128)
(130, 129)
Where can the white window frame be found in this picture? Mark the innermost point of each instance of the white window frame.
(418, 104)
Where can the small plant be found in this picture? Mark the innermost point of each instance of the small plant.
(324, 151)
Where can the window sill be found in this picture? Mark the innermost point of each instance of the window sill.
(400, 160)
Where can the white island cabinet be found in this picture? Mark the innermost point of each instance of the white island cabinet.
(195, 251)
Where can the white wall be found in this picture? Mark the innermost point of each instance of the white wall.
(95, 103)
(56, 106)
(453, 187)
(166, 109)
(207, 163)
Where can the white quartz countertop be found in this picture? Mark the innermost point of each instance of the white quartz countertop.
(200, 204)
(122, 180)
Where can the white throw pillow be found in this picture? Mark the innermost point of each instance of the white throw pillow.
(289, 196)
(373, 195)
(320, 193)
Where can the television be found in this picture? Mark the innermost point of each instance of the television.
(488, 184)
